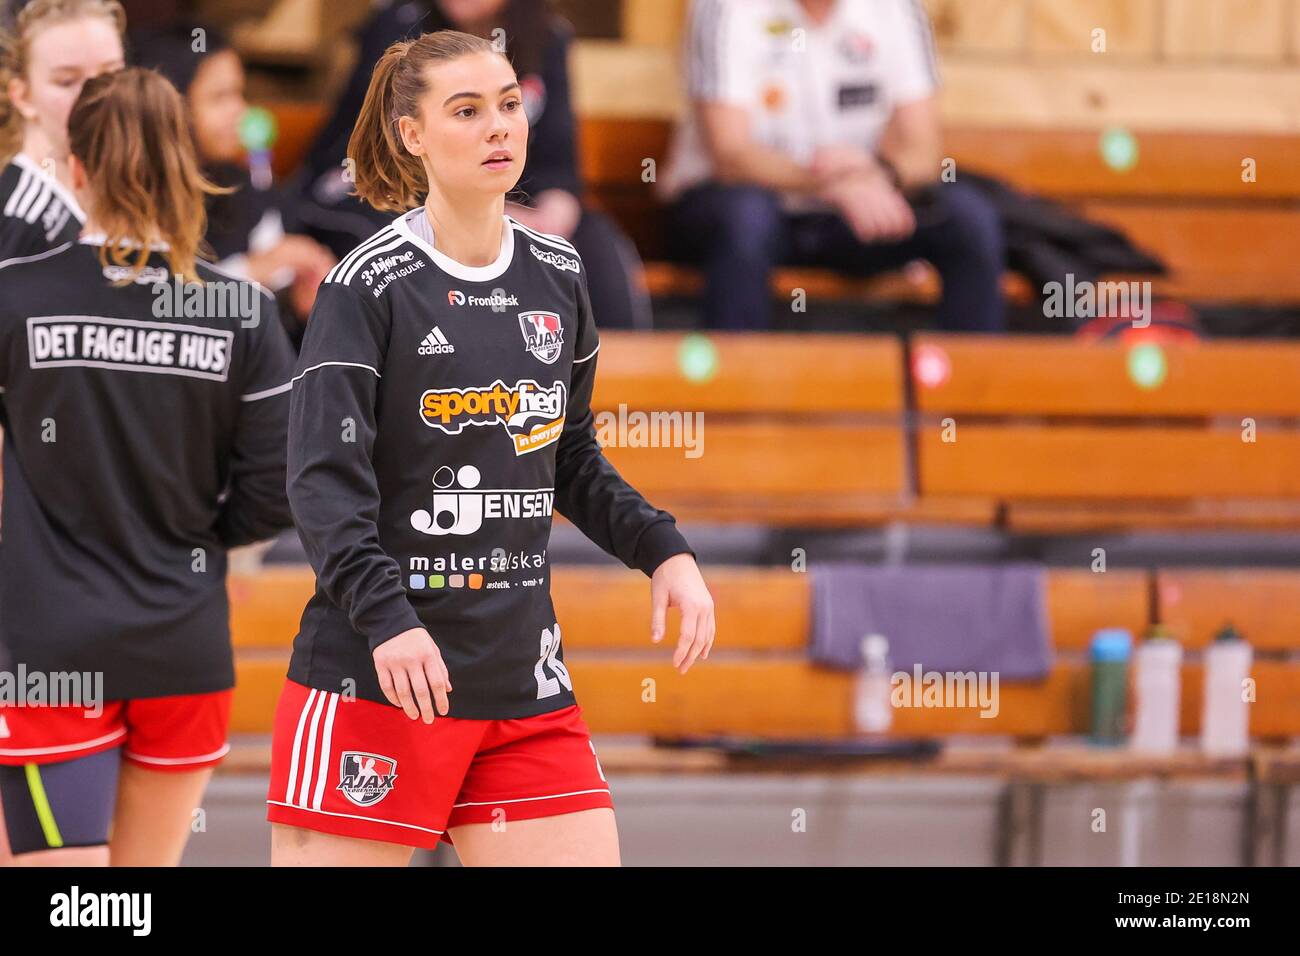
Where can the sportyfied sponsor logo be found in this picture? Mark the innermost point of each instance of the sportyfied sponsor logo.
(233, 299)
(23, 688)
(463, 510)
(532, 414)
(1085, 299)
(550, 257)
(497, 300)
(637, 429)
(974, 689)
(543, 335)
(366, 778)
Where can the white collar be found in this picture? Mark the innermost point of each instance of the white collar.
(65, 196)
(449, 265)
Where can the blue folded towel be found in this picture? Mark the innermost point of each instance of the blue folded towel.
(943, 617)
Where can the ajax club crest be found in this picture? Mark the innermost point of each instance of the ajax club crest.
(542, 334)
(365, 779)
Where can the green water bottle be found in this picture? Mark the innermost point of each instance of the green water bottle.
(1111, 649)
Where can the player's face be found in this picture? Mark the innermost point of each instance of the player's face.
(216, 100)
(61, 58)
(472, 134)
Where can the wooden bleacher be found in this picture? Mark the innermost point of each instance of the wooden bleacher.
(1061, 435)
(1187, 187)
(759, 680)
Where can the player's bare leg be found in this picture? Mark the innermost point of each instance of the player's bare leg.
(68, 856)
(584, 838)
(295, 846)
(155, 814)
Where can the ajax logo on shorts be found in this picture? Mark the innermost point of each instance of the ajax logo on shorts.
(543, 335)
(462, 510)
(531, 413)
(364, 778)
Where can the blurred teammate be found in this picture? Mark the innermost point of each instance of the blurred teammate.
(55, 47)
(813, 139)
(145, 423)
(440, 414)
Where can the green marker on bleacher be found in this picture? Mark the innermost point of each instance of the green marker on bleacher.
(1119, 149)
(697, 358)
(1147, 367)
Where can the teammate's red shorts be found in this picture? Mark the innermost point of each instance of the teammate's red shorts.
(360, 769)
(183, 732)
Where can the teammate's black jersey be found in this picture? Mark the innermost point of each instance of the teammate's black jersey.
(36, 212)
(440, 413)
(144, 434)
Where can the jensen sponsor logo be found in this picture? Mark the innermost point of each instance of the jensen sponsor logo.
(462, 510)
(550, 257)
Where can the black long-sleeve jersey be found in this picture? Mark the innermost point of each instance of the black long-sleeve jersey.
(145, 428)
(440, 414)
(36, 212)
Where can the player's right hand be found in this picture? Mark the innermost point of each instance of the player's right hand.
(412, 674)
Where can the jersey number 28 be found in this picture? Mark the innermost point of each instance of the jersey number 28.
(550, 686)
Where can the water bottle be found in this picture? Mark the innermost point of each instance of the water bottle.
(1225, 715)
(1111, 650)
(1157, 676)
(872, 711)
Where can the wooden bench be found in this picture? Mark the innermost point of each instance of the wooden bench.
(1186, 187)
(759, 680)
(790, 426)
(1066, 439)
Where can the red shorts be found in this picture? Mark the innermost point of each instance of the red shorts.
(185, 732)
(360, 769)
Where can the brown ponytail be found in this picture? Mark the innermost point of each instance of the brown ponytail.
(16, 46)
(130, 131)
(387, 176)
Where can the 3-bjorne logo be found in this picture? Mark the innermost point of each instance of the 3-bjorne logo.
(561, 262)
(463, 510)
(383, 264)
(532, 414)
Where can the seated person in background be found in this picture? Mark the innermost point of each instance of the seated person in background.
(245, 230)
(812, 122)
(549, 196)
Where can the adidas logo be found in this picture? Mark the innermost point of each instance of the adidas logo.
(435, 343)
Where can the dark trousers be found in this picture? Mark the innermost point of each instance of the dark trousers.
(739, 234)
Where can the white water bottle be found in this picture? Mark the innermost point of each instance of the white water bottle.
(1225, 715)
(872, 711)
(1156, 679)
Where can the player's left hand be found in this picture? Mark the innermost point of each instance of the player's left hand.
(678, 583)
